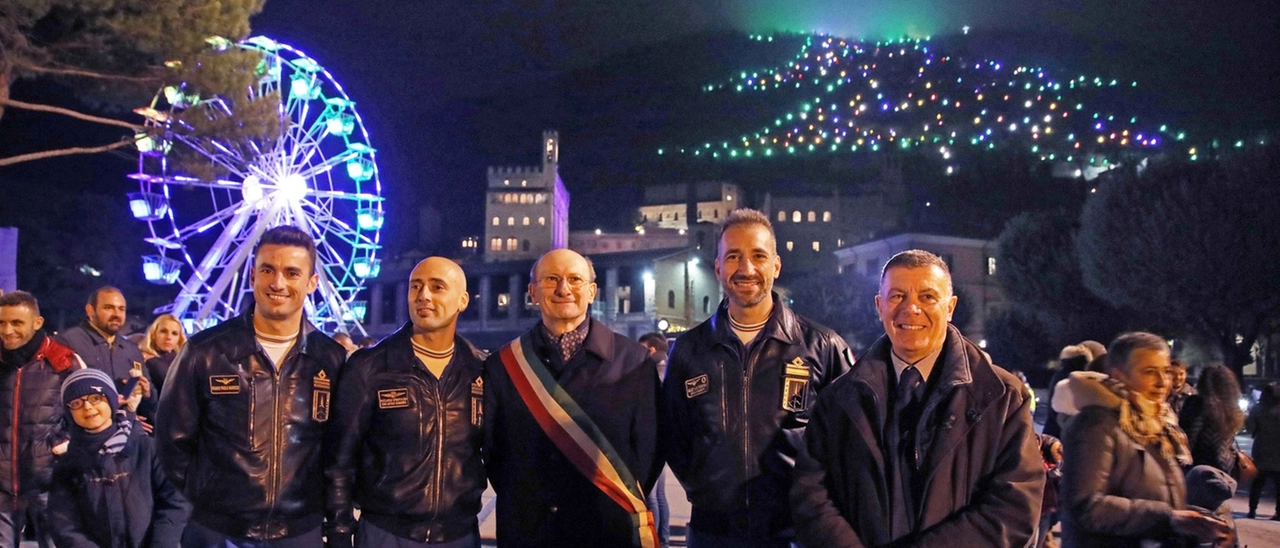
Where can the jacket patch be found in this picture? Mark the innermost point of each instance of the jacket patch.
(696, 386)
(394, 398)
(795, 386)
(320, 405)
(224, 384)
(477, 402)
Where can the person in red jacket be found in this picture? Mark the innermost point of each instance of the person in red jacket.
(32, 368)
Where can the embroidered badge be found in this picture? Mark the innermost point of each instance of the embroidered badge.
(477, 402)
(320, 397)
(696, 386)
(795, 386)
(224, 384)
(394, 398)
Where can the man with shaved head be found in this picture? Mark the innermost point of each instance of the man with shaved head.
(572, 434)
(407, 427)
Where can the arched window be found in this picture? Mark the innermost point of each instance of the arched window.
(495, 244)
(782, 216)
(813, 217)
(511, 221)
(542, 221)
(796, 216)
(511, 244)
(524, 245)
(706, 305)
(496, 222)
(671, 299)
(826, 216)
(525, 222)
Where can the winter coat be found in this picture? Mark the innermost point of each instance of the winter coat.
(1208, 445)
(730, 438)
(157, 369)
(117, 358)
(404, 445)
(1264, 425)
(1115, 492)
(243, 437)
(31, 417)
(115, 501)
(543, 500)
(985, 475)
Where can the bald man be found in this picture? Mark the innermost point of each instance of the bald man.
(572, 410)
(407, 427)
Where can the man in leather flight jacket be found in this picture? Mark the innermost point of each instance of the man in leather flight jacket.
(737, 395)
(406, 434)
(242, 419)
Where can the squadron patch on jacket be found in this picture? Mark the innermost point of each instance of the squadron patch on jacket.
(696, 386)
(477, 402)
(320, 397)
(224, 384)
(393, 398)
(795, 386)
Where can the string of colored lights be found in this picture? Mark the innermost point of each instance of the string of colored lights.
(873, 96)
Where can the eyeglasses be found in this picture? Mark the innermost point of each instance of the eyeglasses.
(553, 281)
(91, 399)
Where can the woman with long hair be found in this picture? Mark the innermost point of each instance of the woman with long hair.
(1212, 417)
(164, 338)
(1264, 426)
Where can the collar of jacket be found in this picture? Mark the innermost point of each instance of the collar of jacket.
(247, 335)
(782, 324)
(399, 348)
(599, 339)
(961, 364)
(96, 337)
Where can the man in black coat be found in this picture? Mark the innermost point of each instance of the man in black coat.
(924, 442)
(738, 391)
(607, 385)
(407, 417)
(32, 368)
(243, 415)
(98, 342)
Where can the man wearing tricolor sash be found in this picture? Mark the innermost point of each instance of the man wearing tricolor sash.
(571, 412)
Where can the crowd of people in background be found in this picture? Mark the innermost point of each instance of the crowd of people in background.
(264, 431)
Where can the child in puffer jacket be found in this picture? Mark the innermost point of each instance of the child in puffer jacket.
(108, 489)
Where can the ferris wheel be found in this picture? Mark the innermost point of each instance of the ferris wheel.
(320, 175)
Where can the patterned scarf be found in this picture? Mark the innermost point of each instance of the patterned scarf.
(570, 342)
(1150, 423)
(117, 440)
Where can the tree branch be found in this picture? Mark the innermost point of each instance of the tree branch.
(71, 113)
(86, 73)
(63, 152)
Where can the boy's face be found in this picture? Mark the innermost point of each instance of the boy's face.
(92, 413)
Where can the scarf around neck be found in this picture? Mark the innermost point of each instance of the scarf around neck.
(1145, 422)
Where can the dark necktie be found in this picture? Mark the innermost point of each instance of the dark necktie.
(902, 449)
(907, 409)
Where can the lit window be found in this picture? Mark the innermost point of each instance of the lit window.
(782, 216)
(524, 183)
(525, 222)
(991, 266)
(540, 198)
(813, 217)
(506, 182)
(791, 245)
(817, 246)
(542, 221)
(796, 217)
(826, 216)
(511, 244)
(496, 222)
(495, 244)
(504, 300)
(511, 221)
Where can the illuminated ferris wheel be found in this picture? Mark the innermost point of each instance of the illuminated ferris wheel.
(320, 175)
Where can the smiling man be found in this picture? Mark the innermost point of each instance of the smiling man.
(924, 442)
(99, 342)
(738, 391)
(242, 418)
(572, 422)
(407, 427)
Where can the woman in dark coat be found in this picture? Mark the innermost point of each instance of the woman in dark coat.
(1211, 419)
(108, 489)
(164, 338)
(1122, 483)
(1264, 426)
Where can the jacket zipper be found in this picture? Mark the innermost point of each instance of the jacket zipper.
(746, 429)
(439, 454)
(724, 403)
(13, 464)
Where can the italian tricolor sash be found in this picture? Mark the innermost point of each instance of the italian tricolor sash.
(576, 435)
